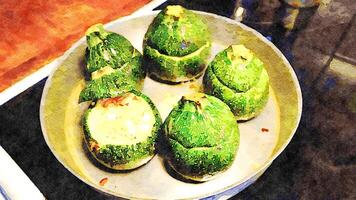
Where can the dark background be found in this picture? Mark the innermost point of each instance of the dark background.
(320, 161)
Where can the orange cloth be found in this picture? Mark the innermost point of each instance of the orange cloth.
(34, 32)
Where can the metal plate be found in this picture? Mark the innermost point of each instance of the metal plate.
(61, 116)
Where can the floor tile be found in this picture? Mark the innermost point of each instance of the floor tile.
(336, 88)
(326, 27)
(308, 63)
(347, 49)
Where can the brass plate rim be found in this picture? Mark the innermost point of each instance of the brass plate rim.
(256, 174)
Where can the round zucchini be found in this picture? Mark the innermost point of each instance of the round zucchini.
(120, 132)
(176, 45)
(202, 137)
(238, 77)
(113, 63)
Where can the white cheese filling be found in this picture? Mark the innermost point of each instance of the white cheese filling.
(121, 121)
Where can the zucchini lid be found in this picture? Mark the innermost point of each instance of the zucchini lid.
(244, 105)
(176, 31)
(107, 49)
(203, 136)
(237, 68)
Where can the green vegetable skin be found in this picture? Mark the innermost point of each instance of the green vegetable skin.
(115, 65)
(237, 77)
(112, 84)
(176, 45)
(124, 157)
(202, 136)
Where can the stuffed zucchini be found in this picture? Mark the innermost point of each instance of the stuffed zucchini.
(202, 137)
(113, 63)
(120, 132)
(238, 77)
(176, 45)
(109, 85)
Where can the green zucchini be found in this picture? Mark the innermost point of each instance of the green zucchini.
(176, 45)
(238, 77)
(112, 62)
(121, 132)
(202, 137)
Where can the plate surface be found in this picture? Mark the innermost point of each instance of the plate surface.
(61, 118)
